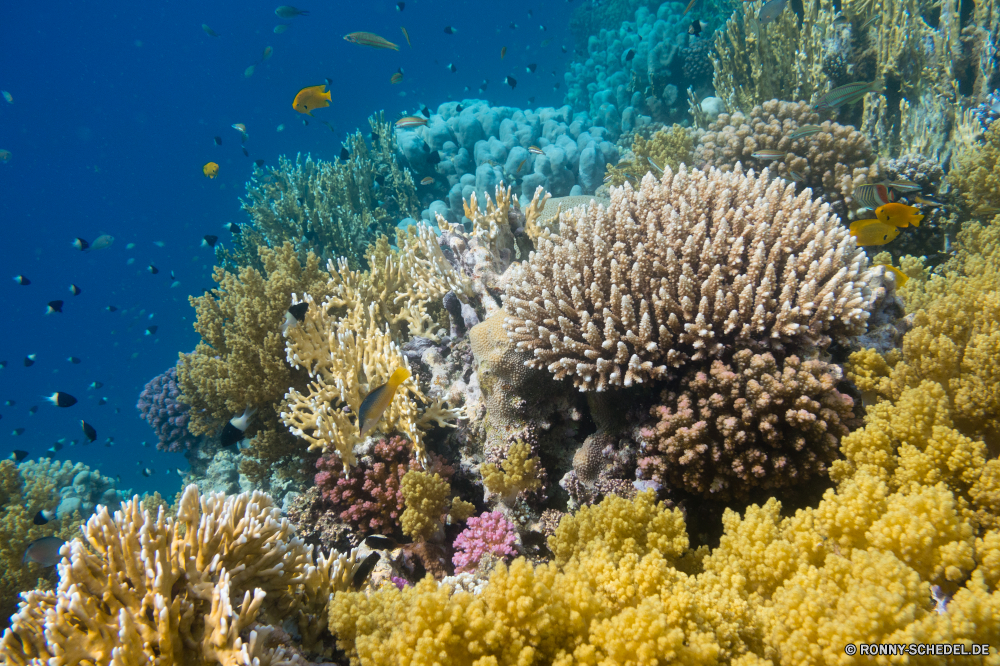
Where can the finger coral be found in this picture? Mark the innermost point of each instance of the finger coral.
(685, 269)
(753, 423)
(160, 407)
(426, 498)
(182, 590)
(488, 534)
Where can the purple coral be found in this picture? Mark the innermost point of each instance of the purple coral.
(489, 534)
(159, 404)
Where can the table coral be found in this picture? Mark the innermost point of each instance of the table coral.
(671, 274)
(488, 534)
(753, 423)
(160, 406)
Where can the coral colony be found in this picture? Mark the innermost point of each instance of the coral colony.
(669, 393)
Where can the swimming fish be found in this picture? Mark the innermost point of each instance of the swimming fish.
(152, 330)
(689, 7)
(899, 215)
(804, 131)
(311, 98)
(80, 244)
(410, 121)
(870, 20)
(873, 232)
(695, 28)
(294, 314)
(21, 280)
(74, 360)
(152, 269)
(111, 308)
(629, 55)
(7, 96)
(54, 306)
(209, 240)
(796, 176)
(511, 81)
(503, 52)
(278, 29)
(102, 242)
(18, 455)
(61, 399)
(519, 166)
(400, 6)
(287, 12)
(43, 517)
(771, 11)
(232, 227)
(364, 570)
(451, 67)
(88, 430)
(10, 403)
(248, 72)
(380, 542)
(147, 472)
(848, 94)
(211, 169)
(901, 277)
(32, 410)
(531, 68)
(426, 180)
(268, 52)
(96, 385)
(448, 30)
(768, 154)
(372, 40)
(5, 156)
(926, 201)
(236, 427)
(209, 31)
(75, 290)
(397, 77)
(535, 150)
(872, 195)
(17, 432)
(44, 551)
(407, 36)
(903, 185)
(29, 360)
(376, 402)
(242, 129)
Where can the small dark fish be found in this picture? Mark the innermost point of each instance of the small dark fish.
(209, 240)
(54, 306)
(460, 107)
(448, 30)
(513, 26)
(96, 385)
(102, 401)
(531, 100)
(88, 431)
(482, 88)
(451, 67)
(695, 28)
(295, 313)
(218, 140)
(61, 399)
(565, 50)
(556, 86)
(111, 308)
(542, 28)
(424, 111)
(287, 12)
(232, 227)
(44, 551)
(29, 360)
(10, 403)
(43, 517)
(345, 154)
(245, 153)
(147, 472)
(21, 280)
(17, 432)
(511, 81)
(259, 163)
(629, 55)
(152, 269)
(55, 448)
(380, 542)
(364, 570)
(33, 410)
(209, 31)
(400, 6)
(152, 330)
(3, 364)
(75, 290)
(73, 359)
(380, 179)
(531, 68)
(236, 427)
(80, 244)
(18, 455)
(434, 157)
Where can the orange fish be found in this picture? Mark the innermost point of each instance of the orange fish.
(311, 98)
(898, 215)
(211, 169)
(873, 232)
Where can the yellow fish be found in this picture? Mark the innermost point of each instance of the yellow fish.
(311, 98)
(901, 277)
(873, 232)
(211, 169)
(898, 215)
(376, 402)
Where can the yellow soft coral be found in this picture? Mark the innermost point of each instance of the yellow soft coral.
(517, 472)
(426, 499)
(976, 173)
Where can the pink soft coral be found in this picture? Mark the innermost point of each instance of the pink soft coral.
(490, 533)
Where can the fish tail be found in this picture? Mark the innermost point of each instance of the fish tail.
(398, 377)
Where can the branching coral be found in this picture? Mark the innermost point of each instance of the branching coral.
(518, 472)
(976, 173)
(332, 209)
(180, 590)
(751, 424)
(426, 498)
(240, 360)
(488, 534)
(832, 162)
(685, 269)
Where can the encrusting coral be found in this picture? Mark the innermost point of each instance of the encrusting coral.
(749, 424)
(212, 585)
(685, 269)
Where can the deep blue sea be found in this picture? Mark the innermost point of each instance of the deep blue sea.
(115, 106)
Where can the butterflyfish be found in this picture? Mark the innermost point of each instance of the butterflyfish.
(872, 195)
(899, 215)
(873, 232)
(311, 98)
(901, 277)
(372, 40)
(376, 402)
(236, 427)
(211, 170)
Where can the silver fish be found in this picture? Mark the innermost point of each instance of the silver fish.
(771, 11)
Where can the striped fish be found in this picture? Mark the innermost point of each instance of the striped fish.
(370, 39)
(872, 195)
(848, 94)
(903, 185)
(804, 131)
(411, 121)
(535, 150)
(768, 154)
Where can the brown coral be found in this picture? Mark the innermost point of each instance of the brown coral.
(683, 270)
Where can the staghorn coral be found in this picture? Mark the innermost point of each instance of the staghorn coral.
(750, 424)
(672, 274)
(831, 162)
(160, 407)
(240, 360)
(224, 568)
(331, 209)
(488, 534)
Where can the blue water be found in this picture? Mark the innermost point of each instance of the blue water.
(115, 106)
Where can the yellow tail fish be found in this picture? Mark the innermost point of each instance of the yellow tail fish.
(375, 403)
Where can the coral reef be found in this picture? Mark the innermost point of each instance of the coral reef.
(750, 424)
(976, 172)
(213, 584)
(159, 405)
(488, 534)
(426, 498)
(517, 473)
(330, 209)
(666, 148)
(671, 274)
(240, 360)
(71, 486)
(832, 162)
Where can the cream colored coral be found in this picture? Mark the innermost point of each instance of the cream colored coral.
(152, 589)
(684, 269)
